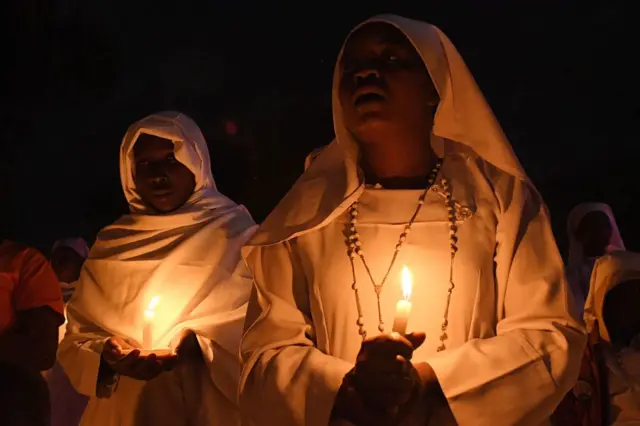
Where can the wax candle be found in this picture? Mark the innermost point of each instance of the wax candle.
(403, 307)
(149, 315)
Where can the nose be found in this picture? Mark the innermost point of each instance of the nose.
(366, 74)
(159, 179)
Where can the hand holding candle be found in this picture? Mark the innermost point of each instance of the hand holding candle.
(403, 307)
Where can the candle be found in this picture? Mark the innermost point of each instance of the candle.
(403, 307)
(149, 315)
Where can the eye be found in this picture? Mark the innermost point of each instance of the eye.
(142, 163)
(391, 59)
(172, 158)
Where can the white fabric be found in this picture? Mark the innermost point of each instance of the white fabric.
(510, 321)
(579, 267)
(624, 367)
(77, 244)
(191, 259)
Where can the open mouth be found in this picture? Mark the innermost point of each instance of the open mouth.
(368, 98)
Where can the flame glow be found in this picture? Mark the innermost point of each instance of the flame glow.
(407, 282)
(149, 312)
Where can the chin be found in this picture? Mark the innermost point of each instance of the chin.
(373, 130)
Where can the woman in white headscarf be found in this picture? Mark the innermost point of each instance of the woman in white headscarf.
(502, 346)
(608, 389)
(593, 232)
(177, 255)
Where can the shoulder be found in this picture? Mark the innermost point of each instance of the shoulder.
(21, 254)
(488, 183)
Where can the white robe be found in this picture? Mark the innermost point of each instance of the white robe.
(509, 328)
(191, 259)
(514, 344)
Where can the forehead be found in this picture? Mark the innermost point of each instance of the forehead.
(149, 144)
(64, 252)
(374, 35)
(595, 218)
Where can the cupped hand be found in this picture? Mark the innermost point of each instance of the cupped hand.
(384, 375)
(126, 360)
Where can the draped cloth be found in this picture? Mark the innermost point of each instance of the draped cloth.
(579, 267)
(511, 324)
(190, 258)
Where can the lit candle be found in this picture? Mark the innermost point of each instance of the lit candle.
(403, 307)
(149, 315)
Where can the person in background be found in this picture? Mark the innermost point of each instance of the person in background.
(608, 389)
(422, 175)
(156, 319)
(31, 311)
(67, 257)
(593, 232)
(67, 405)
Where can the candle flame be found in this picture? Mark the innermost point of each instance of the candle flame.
(407, 282)
(149, 312)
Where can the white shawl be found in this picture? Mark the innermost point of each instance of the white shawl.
(190, 258)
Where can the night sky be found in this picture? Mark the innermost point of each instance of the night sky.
(554, 72)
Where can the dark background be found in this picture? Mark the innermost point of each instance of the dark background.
(558, 74)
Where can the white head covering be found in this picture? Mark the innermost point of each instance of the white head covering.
(576, 251)
(187, 257)
(579, 268)
(190, 149)
(77, 244)
(334, 180)
(609, 271)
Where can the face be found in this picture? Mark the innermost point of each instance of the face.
(621, 313)
(164, 184)
(66, 263)
(385, 90)
(594, 233)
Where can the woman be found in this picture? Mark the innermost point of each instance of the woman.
(489, 288)
(31, 310)
(608, 389)
(593, 232)
(175, 256)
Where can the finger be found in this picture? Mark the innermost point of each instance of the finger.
(387, 345)
(417, 338)
(377, 365)
(126, 362)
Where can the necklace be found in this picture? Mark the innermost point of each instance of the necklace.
(354, 249)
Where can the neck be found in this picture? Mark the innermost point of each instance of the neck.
(398, 165)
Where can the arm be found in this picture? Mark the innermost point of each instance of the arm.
(286, 380)
(33, 341)
(521, 374)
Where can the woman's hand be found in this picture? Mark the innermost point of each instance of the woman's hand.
(384, 376)
(126, 360)
(349, 406)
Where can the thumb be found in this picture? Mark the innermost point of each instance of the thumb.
(416, 339)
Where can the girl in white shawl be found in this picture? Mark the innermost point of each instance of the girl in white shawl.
(502, 347)
(180, 248)
(593, 232)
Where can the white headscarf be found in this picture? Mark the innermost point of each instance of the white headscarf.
(77, 244)
(578, 267)
(333, 179)
(576, 251)
(188, 257)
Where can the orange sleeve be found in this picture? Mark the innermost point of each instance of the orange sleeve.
(37, 284)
